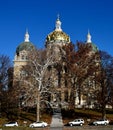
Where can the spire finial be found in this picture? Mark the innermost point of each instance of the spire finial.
(58, 24)
(58, 16)
(26, 39)
(89, 37)
(88, 31)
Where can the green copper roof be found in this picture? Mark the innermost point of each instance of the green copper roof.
(94, 47)
(24, 46)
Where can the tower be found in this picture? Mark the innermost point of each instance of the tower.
(21, 58)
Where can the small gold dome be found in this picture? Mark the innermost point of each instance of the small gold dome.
(57, 34)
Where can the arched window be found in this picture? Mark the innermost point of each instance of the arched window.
(22, 57)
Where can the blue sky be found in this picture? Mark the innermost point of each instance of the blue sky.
(39, 16)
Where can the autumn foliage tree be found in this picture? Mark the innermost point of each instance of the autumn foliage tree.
(81, 62)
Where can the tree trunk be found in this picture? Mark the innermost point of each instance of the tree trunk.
(38, 107)
(103, 112)
(79, 92)
(103, 95)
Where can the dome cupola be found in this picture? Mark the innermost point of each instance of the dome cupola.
(89, 41)
(57, 36)
(26, 45)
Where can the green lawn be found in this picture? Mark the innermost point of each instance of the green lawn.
(23, 128)
(86, 114)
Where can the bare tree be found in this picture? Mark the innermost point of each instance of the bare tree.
(35, 79)
(105, 78)
(5, 65)
(5, 80)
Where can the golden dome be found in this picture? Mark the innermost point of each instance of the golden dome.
(57, 35)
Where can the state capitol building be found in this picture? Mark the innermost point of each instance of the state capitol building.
(66, 91)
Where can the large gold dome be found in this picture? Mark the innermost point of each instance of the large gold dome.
(57, 35)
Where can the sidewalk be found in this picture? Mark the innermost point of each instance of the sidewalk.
(56, 123)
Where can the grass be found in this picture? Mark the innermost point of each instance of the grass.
(86, 114)
(23, 128)
(25, 118)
